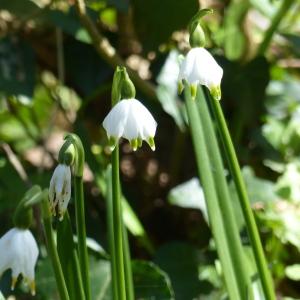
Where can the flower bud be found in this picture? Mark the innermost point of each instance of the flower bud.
(127, 88)
(197, 37)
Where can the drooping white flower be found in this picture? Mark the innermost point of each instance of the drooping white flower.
(60, 190)
(199, 67)
(19, 252)
(131, 120)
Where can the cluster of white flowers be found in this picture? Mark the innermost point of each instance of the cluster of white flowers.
(19, 252)
(199, 67)
(60, 190)
(131, 120)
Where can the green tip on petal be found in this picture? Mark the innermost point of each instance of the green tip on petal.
(140, 142)
(180, 87)
(151, 143)
(216, 92)
(112, 141)
(193, 88)
(134, 144)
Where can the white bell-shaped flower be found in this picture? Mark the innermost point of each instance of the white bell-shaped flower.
(60, 190)
(19, 252)
(199, 67)
(131, 120)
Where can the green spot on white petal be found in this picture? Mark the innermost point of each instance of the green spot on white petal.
(151, 143)
(112, 141)
(140, 142)
(215, 92)
(193, 88)
(134, 144)
(180, 87)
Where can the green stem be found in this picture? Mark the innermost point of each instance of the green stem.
(69, 259)
(285, 5)
(215, 215)
(118, 227)
(81, 233)
(127, 266)
(111, 230)
(225, 205)
(265, 277)
(52, 251)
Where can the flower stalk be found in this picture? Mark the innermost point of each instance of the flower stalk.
(111, 230)
(225, 205)
(78, 162)
(59, 277)
(260, 259)
(118, 226)
(214, 212)
(68, 256)
(131, 120)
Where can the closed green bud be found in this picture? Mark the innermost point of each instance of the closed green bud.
(197, 37)
(66, 153)
(115, 90)
(127, 89)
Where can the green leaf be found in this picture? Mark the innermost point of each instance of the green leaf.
(260, 191)
(24, 8)
(189, 195)
(69, 258)
(68, 22)
(288, 183)
(245, 87)
(17, 67)
(156, 20)
(121, 6)
(181, 262)
(293, 272)
(45, 280)
(90, 73)
(12, 186)
(234, 37)
(266, 7)
(151, 282)
(100, 280)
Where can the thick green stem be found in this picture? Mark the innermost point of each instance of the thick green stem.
(261, 263)
(69, 259)
(214, 213)
(127, 266)
(285, 5)
(52, 251)
(110, 226)
(225, 205)
(118, 227)
(81, 233)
